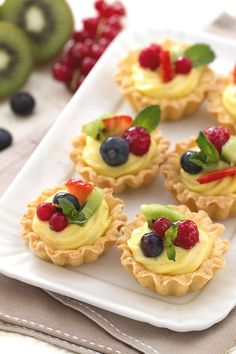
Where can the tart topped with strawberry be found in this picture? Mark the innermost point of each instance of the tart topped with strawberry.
(73, 223)
(201, 172)
(171, 250)
(118, 150)
(171, 74)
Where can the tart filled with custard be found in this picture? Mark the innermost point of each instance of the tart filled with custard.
(117, 151)
(173, 75)
(73, 223)
(201, 172)
(171, 250)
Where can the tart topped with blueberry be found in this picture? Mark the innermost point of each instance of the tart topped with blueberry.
(171, 250)
(171, 74)
(201, 172)
(118, 150)
(73, 223)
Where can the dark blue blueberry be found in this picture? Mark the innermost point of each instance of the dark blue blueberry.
(22, 103)
(70, 197)
(187, 165)
(5, 139)
(115, 151)
(151, 244)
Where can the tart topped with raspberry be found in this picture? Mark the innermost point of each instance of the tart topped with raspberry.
(118, 150)
(201, 172)
(171, 250)
(173, 75)
(73, 223)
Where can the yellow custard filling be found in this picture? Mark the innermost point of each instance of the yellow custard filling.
(229, 99)
(186, 260)
(74, 236)
(92, 157)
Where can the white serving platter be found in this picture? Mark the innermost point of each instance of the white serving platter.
(105, 283)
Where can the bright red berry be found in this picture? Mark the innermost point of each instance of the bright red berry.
(58, 222)
(114, 22)
(188, 234)
(166, 67)
(91, 25)
(104, 42)
(139, 140)
(149, 57)
(161, 225)
(100, 5)
(62, 72)
(109, 32)
(183, 65)
(96, 50)
(74, 62)
(86, 65)
(80, 36)
(118, 8)
(80, 50)
(45, 211)
(218, 136)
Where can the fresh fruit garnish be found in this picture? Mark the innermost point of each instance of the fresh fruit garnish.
(228, 152)
(5, 139)
(200, 54)
(45, 211)
(161, 225)
(22, 103)
(234, 75)
(151, 244)
(156, 211)
(188, 165)
(70, 197)
(188, 235)
(149, 57)
(58, 222)
(62, 72)
(216, 175)
(95, 129)
(183, 65)
(115, 151)
(86, 65)
(80, 189)
(148, 118)
(218, 136)
(138, 139)
(166, 66)
(93, 202)
(91, 25)
(116, 125)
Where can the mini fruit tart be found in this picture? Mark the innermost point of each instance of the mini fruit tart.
(119, 151)
(201, 173)
(222, 101)
(172, 75)
(73, 223)
(171, 250)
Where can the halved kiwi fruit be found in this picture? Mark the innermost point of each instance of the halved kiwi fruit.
(48, 24)
(16, 60)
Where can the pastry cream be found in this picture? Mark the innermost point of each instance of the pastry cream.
(229, 99)
(186, 260)
(92, 157)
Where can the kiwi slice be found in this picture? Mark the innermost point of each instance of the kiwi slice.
(47, 23)
(155, 211)
(94, 200)
(16, 59)
(229, 150)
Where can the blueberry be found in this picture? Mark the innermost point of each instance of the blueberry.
(151, 244)
(70, 197)
(5, 139)
(22, 103)
(187, 165)
(115, 151)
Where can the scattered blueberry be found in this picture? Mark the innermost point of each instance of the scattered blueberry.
(188, 165)
(70, 197)
(115, 151)
(151, 244)
(5, 139)
(22, 103)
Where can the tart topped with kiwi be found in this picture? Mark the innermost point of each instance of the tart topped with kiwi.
(171, 74)
(73, 223)
(201, 172)
(118, 150)
(171, 250)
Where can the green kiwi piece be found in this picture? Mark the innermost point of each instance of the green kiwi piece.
(156, 211)
(94, 200)
(47, 23)
(16, 60)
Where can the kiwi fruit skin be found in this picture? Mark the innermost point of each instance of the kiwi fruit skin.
(58, 24)
(14, 42)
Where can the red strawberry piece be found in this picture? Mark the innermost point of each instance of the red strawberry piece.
(183, 65)
(79, 188)
(58, 222)
(116, 125)
(149, 57)
(188, 235)
(218, 136)
(216, 175)
(166, 67)
(161, 225)
(139, 140)
(45, 211)
(234, 75)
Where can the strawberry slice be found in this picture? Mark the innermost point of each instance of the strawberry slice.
(79, 188)
(166, 67)
(117, 125)
(234, 74)
(216, 175)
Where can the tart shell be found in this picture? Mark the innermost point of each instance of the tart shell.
(84, 254)
(176, 284)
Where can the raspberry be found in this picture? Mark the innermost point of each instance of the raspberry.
(58, 222)
(183, 65)
(161, 225)
(45, 211)
(218, 136)
(166, 68)
(188, 234)
(149, 57)
(139, 140)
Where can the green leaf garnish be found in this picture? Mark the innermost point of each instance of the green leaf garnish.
(200, 54)
(73, 215)
(170, 237)
(208, 156)
(148, 118)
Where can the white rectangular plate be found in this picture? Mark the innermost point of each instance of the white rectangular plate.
(106, 284)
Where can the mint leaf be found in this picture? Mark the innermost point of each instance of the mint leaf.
(73, 215)
(170, 237)
(148, 118)
(208, 156)
(80, 219)
(200, 54)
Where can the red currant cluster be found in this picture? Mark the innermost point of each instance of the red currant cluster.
(89, 44)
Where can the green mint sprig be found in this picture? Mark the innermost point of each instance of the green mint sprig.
(170, 237)
(208, 156)
(200, 54)
(148, 118)
(73, 215)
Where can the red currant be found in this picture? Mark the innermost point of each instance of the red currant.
(183, 65)
(62, 72)
(161, 225)
(114, 22)
(74, 62)
(109, 32)
(87, 64)
(58, 222)
(100, 5)
(91, 25)
(96, 51)
(80, 50)
(118, 8)
(104, 42)
(80, 36)
(45, 211)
